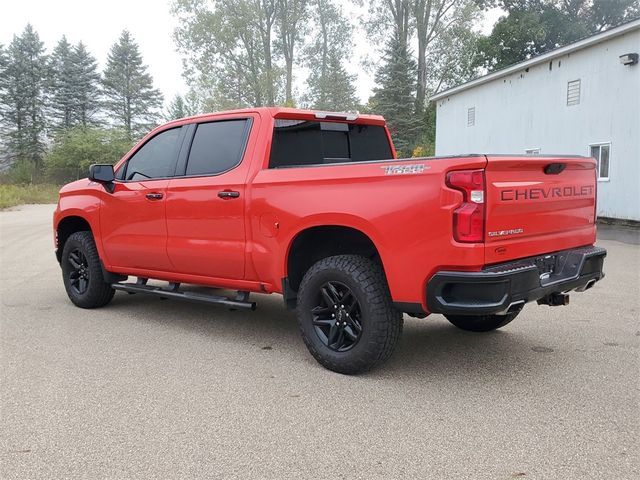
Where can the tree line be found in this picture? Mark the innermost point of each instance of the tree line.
(245, 52)
(59, 114)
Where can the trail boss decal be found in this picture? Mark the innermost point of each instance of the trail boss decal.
(542, 193)
(404, 169)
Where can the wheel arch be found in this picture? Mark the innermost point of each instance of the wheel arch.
(316, 242)
(66, 227)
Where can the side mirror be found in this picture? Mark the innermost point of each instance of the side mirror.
(102, 174)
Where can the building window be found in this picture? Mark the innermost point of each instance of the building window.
(471, 117)
(573, 92)
(601, 152)
(532, 151)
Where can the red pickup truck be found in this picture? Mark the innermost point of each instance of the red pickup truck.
(315, 206)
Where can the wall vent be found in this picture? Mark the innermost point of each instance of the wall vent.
(573, 92)
(471, 117)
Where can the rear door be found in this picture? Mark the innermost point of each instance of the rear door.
(206, 200)
(132, 217)
(538, 205)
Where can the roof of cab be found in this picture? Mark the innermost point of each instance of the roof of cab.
(294, 113)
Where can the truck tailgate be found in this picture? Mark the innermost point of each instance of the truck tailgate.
(538, 205)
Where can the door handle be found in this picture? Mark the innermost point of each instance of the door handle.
(228, 194)
(154, 196)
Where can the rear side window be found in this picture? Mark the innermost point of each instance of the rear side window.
(300, 143)
(155, 159)
(217, 147)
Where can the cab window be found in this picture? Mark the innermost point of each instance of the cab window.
(297, 143)
(217, 147)
(155, 159)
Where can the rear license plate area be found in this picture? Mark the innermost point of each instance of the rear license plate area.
(555, 266)
(547, 265)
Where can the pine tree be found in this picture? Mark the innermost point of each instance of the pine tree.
(87, 91)
(177, 109)
(128, 89)
(75, 94)
(4, 60)
(22, 98)
(184, 106)
(62, 86)
(331, 87)
(395, 96)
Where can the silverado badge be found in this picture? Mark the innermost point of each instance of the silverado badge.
(502, 233)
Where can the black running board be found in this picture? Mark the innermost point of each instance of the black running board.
(172, 292)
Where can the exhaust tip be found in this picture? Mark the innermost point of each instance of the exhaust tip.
(587, 285)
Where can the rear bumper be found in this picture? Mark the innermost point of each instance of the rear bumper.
(503, 287)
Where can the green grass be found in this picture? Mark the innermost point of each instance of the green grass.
(11, 195)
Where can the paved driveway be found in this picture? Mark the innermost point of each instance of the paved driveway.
(161, 389)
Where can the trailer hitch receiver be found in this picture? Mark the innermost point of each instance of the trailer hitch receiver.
(555, 299)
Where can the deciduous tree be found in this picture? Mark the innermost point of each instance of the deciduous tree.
(291, 22)
(423, 23)
(75, 149)
(435, 19)
(228, 50)
(329, 86)
(533, 27)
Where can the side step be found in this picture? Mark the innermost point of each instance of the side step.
(241, 301)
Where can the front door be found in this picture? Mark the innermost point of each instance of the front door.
(133, 217)
(206, 204)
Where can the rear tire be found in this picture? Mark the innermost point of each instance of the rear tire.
(481, 323)
(346, 315)
(82, 272)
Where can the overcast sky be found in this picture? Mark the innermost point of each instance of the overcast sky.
(99, 24)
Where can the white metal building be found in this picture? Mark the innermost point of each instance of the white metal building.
(581, 99)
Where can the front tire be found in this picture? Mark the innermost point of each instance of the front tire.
(82, 272)
(346, 315)
(481, 323)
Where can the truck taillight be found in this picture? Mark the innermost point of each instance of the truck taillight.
(468, 218)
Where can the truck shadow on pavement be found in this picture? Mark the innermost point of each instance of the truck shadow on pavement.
(428, 348)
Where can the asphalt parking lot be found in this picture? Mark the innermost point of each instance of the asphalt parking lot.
(146, 388)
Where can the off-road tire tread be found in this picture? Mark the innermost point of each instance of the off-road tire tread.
(99, 292)
(386, 321)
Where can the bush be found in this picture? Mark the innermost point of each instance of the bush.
(11, 195)
(423, 151)
(74, 150)
(22, 172)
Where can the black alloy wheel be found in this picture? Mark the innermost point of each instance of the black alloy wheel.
(346, 315)
(79, 272)
(82, 272)
(337, 317)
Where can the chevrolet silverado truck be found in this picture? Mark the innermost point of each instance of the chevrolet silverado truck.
(315, 206)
